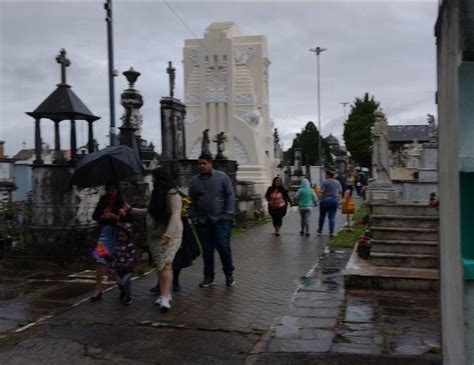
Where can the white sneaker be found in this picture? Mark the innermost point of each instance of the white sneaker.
(165, 304)
(158, 301)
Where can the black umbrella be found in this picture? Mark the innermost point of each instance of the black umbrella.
(107, 166)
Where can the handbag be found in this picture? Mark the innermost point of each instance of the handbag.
(348, 207)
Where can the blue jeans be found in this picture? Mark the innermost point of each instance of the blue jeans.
(305, 213)
(328, 206)
(124, 282)
(216, 236)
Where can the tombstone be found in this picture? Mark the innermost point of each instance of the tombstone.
(61, 216)
(173, 113)
(220, 140)
(413, 155)
(381, 189)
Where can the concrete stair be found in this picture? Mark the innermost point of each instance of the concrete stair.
(404, 251)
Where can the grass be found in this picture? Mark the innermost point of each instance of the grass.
(347, 239)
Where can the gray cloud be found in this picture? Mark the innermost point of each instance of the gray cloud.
(386, 49)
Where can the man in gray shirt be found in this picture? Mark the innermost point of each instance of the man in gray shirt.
(212, 207)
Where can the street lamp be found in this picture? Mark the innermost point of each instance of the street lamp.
(318, 51)
(344, 103)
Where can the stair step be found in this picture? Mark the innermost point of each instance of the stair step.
(398, 220)
(360, 273)
(407, 247)
(404, 233)
(404, 208)
(404, 260)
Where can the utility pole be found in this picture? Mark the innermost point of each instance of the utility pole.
(112, 73)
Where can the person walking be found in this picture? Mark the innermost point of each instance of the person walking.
(164, 231)
(107, 213)
(278, 200)
(306, 198)
(348, 207)
(212, 208)
(331, 190)
(126, 255)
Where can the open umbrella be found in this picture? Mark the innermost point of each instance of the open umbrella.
(108, 166)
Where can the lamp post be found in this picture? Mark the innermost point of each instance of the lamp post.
(318, 51)
(112, 73)
(344, 104)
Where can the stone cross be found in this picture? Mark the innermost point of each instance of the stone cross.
(65, 62)
(171, 71)
(220, 139)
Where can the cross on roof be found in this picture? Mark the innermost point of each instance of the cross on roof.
(61, 58)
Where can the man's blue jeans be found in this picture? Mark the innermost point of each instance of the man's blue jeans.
(328, 206)
(216, 236)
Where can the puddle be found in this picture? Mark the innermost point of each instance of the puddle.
(307, 281)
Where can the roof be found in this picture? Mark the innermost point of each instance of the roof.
(63, 104)
(24, 155)
(408, 133)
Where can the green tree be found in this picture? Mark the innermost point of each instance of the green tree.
(357, 129)
(307, 140)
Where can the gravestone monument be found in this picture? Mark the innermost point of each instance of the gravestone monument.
(226, 90)
(61, 223)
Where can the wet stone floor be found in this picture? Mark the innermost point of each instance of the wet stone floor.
(326, 318)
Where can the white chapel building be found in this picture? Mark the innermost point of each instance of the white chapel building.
(226, 90)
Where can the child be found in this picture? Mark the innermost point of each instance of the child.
(126, 259)
(348, 207)
(433, 200)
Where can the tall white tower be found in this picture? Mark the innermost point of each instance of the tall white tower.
(226, 90)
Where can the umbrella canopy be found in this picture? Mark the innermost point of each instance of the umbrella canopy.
(108, 166)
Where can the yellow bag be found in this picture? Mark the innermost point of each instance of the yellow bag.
(348, 207)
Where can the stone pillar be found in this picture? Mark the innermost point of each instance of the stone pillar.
(38, 146)
(73, 141)
(132, 101)
(90, 141)
(58, 157)
(173, 136)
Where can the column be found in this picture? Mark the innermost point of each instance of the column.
(90, 141)
(73, 140)
(221, 119)
(38, 146)
(57, 143)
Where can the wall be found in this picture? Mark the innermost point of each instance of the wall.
(451, 276)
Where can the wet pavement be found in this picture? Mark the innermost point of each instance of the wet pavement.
(288, 305)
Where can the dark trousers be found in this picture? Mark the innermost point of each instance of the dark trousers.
(124, 282)
(216, 236)
(277, 215)
(328, 206)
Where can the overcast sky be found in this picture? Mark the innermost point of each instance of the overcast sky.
(384, 48)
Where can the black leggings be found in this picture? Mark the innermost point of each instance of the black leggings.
(277, 215)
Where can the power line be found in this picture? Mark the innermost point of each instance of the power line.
(186, 26)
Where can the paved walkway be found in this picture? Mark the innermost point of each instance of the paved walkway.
(260, 320)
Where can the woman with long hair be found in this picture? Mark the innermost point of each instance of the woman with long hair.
(164, 229)
(278, 200)
(107, 213)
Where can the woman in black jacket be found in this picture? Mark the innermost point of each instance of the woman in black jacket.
(278, 200)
